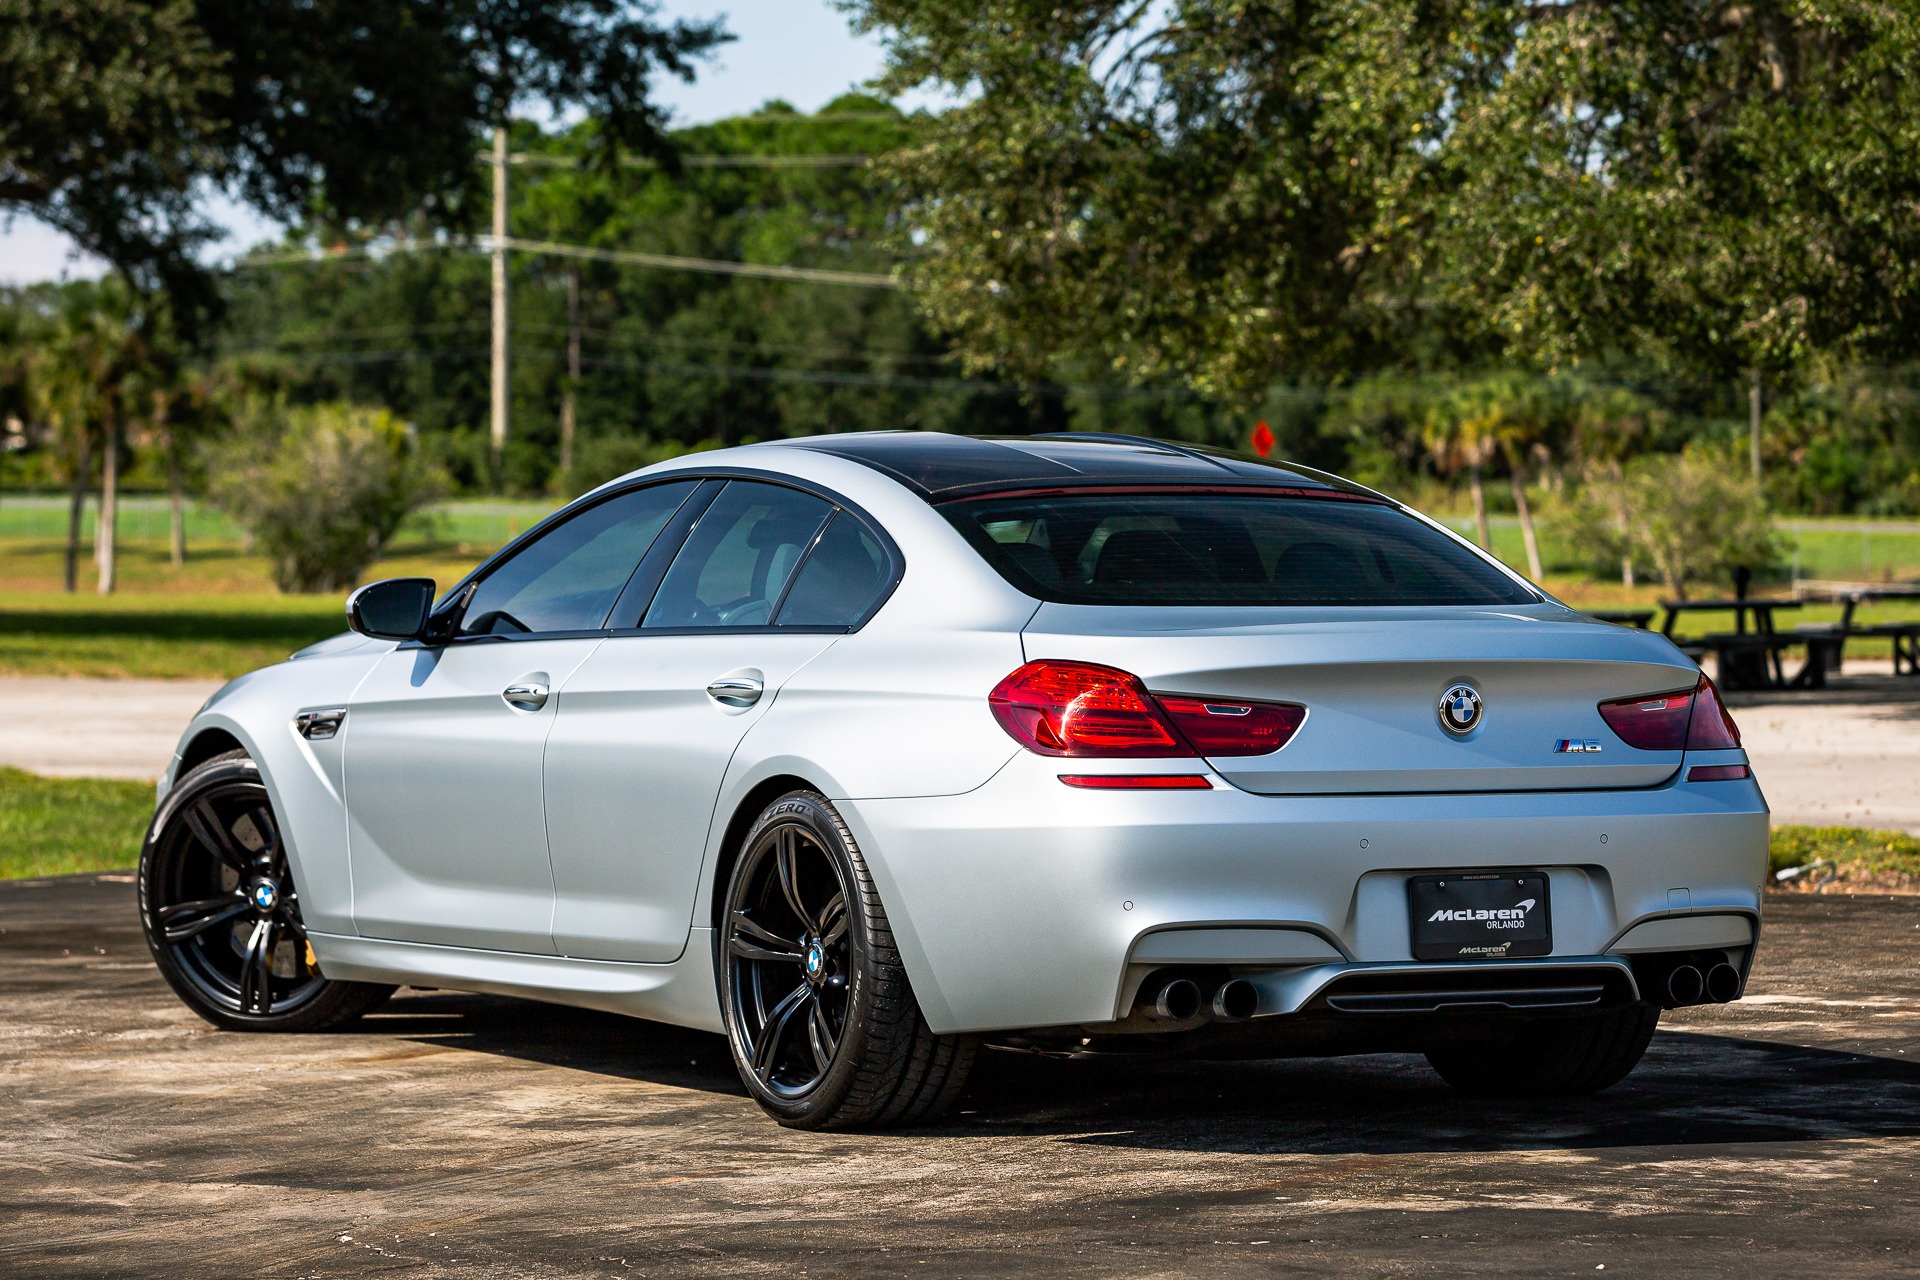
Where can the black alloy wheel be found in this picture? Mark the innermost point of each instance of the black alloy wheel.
(822, 1022)
(789, 960)
(221, 911)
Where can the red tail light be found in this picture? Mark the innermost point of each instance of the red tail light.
(1079, 709)
(1691, 721)
(1224, 728)
(1083, 709)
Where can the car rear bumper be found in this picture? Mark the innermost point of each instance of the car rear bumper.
(1030, 904)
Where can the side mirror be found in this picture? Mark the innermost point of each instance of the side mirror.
(395, 609)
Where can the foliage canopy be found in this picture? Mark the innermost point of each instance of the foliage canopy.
(1242, 190)
(116, 114)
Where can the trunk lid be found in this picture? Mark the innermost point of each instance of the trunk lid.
(1372, 681)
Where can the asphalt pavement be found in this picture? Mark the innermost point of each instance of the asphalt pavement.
(464, 1136)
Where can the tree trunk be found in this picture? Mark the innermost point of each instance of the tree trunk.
(1626, 571)
(77, 507)
(177, 500)
(1534, 569)
(1479, 506)
(109, 507)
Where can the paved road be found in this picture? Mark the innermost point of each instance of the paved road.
(1841, 756)
(476, 1137)
(95, 728)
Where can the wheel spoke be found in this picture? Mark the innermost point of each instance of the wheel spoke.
(190, 919)
(767, 1048)
(820, 1037)
(744, 923)
(786, 857)
(748, 951)
(212, 832)
(256, 970)
(269, 833)
(833, 920)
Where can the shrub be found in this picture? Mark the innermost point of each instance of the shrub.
(1685, 516)
(321, 489)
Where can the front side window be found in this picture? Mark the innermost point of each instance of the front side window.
(1225, 549)
(734, 566)
(568, 578)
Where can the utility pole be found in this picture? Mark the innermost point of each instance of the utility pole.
(499, 297)
(573, 372)
(1753, 422)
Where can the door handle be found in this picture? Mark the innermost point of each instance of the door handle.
(736, 691)
(525, 695)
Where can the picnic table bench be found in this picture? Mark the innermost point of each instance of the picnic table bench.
(1833, 636)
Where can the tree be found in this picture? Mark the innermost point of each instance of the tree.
(669, 360)
(95, 341)
(114, 114)
(1237, 190)
(1722, 186)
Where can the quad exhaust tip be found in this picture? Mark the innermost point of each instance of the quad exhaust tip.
(1177, 1001)
(1723, 983)
(1236, 1000)
(1685, 985)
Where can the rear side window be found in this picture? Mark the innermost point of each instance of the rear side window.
(1225, 549)
(841, 580)
(735, 564)
(568, 577)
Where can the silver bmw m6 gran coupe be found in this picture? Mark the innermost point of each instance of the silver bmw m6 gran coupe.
(869, 750)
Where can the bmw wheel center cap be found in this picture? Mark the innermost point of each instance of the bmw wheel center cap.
(1460, 708)
(265, 895)
(816, 959)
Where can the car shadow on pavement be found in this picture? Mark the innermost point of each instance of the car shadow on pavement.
(1691, 1090)
(578, 1039)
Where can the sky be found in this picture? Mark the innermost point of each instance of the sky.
(798, 50)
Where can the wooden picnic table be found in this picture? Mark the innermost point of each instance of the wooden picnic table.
(1762, 608)
(1750, 659)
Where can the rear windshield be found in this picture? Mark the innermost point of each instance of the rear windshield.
(1225, 549)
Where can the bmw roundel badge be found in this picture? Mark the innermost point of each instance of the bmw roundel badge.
(1460, 709)
(266, 895)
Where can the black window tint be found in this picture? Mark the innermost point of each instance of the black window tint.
(567, 579)
(840, 580)
(737, 560)
(1226, 549)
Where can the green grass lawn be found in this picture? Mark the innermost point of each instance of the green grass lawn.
(63, 826)
(165, 637)
(1866, 860)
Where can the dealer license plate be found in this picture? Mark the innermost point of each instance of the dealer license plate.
(1483, 915)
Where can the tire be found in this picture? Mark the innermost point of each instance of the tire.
(1551, 1057)
(821, 1019)
(222, 915)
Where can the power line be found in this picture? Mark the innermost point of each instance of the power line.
(666, 261)
(764, 271)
